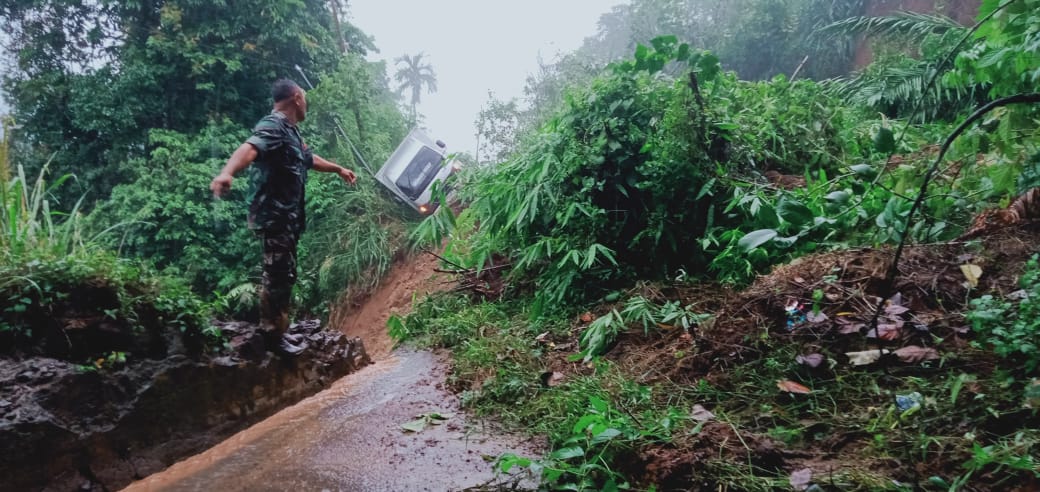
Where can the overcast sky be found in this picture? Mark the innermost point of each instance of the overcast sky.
(475, 46)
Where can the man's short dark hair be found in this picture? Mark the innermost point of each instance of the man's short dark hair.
(283, 89)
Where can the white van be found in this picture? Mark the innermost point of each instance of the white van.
(414, 167)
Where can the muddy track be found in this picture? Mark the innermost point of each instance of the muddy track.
(349, 437)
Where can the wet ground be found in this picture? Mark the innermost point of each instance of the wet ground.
(349, 438)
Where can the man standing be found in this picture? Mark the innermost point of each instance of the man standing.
(276, 212)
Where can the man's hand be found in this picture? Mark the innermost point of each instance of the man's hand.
(221, 184)
(243, 156)
(348, 176)
(323, 165)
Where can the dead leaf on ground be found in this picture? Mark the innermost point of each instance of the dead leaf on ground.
(1018, 295)
(541, 337)
(789, 386)
(555, 379)
(865, 357)
(812, 360)
(886, 331)
(420, 423)
(848, 326)
(913, 354)
(895, 310)
(972, 272)
(801, 479)
(701, 414)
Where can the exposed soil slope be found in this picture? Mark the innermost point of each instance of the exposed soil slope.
(409, 279)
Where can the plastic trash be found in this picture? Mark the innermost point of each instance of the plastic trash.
(795, 314)
(909, 401)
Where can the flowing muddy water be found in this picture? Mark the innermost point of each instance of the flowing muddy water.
(349, 437)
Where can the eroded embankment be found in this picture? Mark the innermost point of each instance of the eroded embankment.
(65, 426)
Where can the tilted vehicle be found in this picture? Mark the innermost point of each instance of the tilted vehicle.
(414, 169)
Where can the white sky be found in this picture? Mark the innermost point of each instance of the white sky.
(474, 46)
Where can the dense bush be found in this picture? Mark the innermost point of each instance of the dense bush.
(634, 176)
(615, 184)
(53, 280)
(167, 215)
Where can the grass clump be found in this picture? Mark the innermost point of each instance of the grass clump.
(506, 366)
(60, 290)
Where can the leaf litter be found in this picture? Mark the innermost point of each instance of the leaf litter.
(919, 326)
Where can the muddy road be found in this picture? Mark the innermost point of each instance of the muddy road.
(350, 436)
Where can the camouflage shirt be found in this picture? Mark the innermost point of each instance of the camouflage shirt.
(279, 176)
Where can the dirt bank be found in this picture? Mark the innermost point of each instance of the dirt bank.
(65, 425)
(365, 317)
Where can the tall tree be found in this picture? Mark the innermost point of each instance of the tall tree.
(413, 75)
(92, 78)
(498, 124)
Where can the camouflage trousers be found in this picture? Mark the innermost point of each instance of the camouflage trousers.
(279, 276)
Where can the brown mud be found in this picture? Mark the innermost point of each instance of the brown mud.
(66, 426)
(365, 317)
(349, 437)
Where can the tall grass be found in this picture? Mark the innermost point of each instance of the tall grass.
(351, 241)
(29, 227)
(44, 259)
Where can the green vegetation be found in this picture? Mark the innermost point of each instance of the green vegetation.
(1013, 332)
(50, 272)
(694, 227)
(666, 168)
(155, 99)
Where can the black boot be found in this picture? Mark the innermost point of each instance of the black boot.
(290, 345)
(284, 344)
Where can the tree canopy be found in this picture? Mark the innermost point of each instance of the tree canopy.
(92, 78)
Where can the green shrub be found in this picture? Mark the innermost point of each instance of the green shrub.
(168, 216)
(50, 273)
(614, 185)
(1011, 328)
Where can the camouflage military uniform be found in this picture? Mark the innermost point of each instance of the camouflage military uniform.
(276, 212)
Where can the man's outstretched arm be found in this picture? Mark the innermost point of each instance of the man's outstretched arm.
(326, 166)
(243, 156)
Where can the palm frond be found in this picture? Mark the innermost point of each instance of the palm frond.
(900, 25)
(896, 89)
